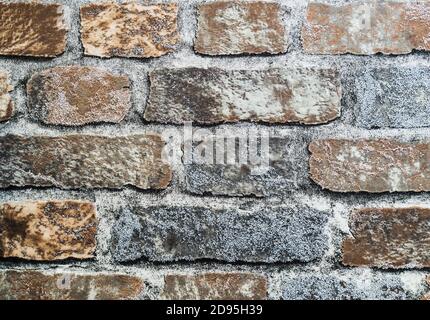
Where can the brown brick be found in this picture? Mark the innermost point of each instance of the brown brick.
(48, 230)
(32, 29)
(6, 104)
(84, 161)
(366, 28)
(237, 27)
(78, 95)
(370, 165)
(210, 96)
(129, 30)
(35, 285)
(389, 238)
(216, 286)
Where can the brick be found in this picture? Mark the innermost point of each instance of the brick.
(35, 285)
(129, 29)
(238, 27)
(76, 95)
(392, 98)
(348, 286)
(285, 171)
(376, 166)
(83, 161)
(160, 233)
(32, 29)
(48, 230)
(366, 28)
(388, 238)
(215, 286)
(210, 96)
(6, 104)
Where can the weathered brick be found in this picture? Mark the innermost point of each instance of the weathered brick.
(238, 27)
(32, 29)
(392, 97)
(160, 233)
(83, 161)
(215, 286)
(129, 29)
(285, 171)
(48, 230)
(35, 285)
(77, 95)
(209, 96)
(349, 286)
(389, 238)
(366, 28)
(6, 104)
(370, 165)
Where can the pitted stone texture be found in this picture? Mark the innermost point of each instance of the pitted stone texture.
(215, 286)
(6, 104)
(32, 29)
(78, 95)
(370, 165)
(427, 296)
(393, 97)
(83, 161)
(48, 230)
(159, 233)
(34, 285)
(389, 238)
(347, 286)
(238, 27)
(366, 28)
(210, 96)
(129, 29)
(282, 172)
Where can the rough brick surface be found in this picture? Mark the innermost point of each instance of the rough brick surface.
(48, 230)
(129, 30)
(237, 27)
(393, 97)
(366, 28)
(389, 238)
(193, 233)
(6, 104)
(285, 171)
(308, 96)
(32, 29)
(370, 165)
(347, 286)
(216, 286)
(34, 285)
(78, 95)
(83, 161)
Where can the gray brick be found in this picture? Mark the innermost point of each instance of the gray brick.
(273, 234)
(393, 98)
(287, 172)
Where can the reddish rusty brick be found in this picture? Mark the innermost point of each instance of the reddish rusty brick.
(35, 285)
(48, 230)
(370, 165)
(236, 27)
(216, 286)
(32, 29)
(6, 104)
(129, 29)
(389, 238)
(367, 28)
(77, 95)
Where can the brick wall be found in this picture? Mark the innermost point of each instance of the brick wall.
(90, 207)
